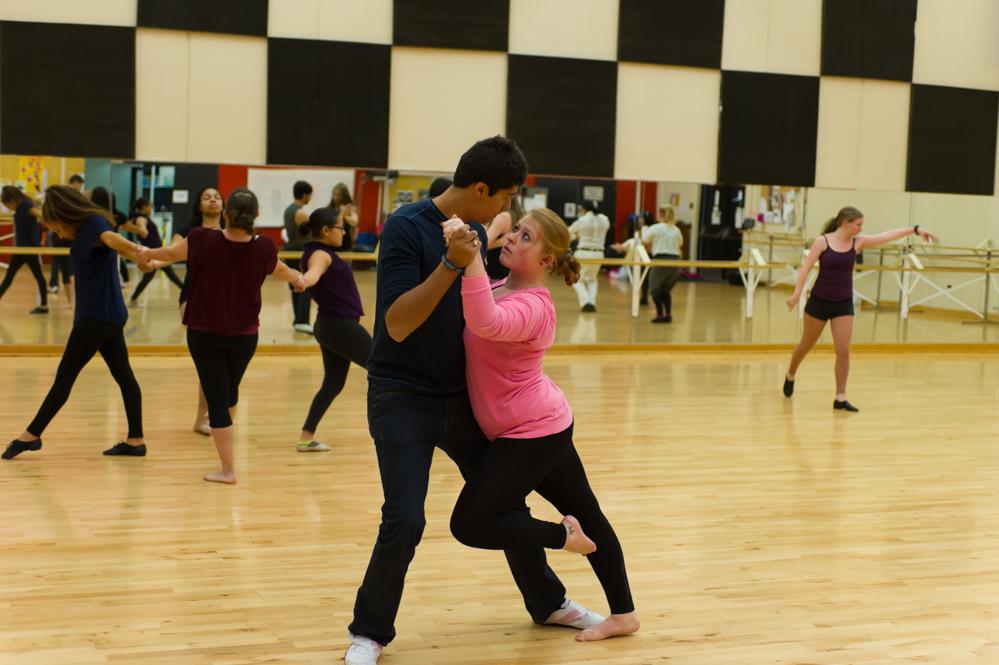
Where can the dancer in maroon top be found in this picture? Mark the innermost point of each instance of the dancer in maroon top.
(227, 268)
(832, 294)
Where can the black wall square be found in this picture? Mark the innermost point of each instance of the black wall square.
(671, 32)
(952, 140)
(562, 112)
(237, 17)
(67, 90)
(328, 103)
(482, 25)
(869, 38)
(769, 124)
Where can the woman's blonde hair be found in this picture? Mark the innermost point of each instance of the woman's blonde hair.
(668, 214)
(554, 235)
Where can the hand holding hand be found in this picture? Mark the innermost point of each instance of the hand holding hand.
(464, 247)
(451, 227)
(299, 283)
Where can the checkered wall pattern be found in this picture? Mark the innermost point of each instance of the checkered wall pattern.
(897, 95)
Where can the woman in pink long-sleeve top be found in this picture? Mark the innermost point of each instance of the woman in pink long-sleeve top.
(509, 326)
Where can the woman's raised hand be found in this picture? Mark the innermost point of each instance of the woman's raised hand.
(452, 226)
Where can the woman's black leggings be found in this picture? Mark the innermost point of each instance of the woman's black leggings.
(88, 337)
(221, 363)
(61, 265)
(148, 277)
(34, 264)
(342, 341)
(487, 514)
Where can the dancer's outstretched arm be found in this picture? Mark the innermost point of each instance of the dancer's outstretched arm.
(893, 234)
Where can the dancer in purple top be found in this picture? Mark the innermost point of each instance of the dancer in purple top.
(342, 339)
(832, 294)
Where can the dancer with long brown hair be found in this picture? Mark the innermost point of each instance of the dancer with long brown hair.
(99, 320)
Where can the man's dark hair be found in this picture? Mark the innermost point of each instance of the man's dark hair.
(587, 205)
(301, 188)
(439, 186)
(75, 178)
(496, 161)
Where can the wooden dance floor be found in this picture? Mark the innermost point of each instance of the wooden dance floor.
(756, 529)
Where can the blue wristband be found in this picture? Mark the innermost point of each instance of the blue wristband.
(451, 266)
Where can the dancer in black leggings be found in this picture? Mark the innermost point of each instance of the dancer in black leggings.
(508, 329)
(341, 337)
(99, 322)
(27, 233)
(227, 269)
(207, 213)
(143, 226)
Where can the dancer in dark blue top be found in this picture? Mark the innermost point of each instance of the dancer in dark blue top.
(831, 300)
(417, 397)
(27, 233)
(99, 320)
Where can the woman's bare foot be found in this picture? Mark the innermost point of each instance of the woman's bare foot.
(575, 540)
(203, 428)
(221, 477)
(615, 624)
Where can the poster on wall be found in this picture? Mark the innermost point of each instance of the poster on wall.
(30, 172)
(593, 193)
(273, 188)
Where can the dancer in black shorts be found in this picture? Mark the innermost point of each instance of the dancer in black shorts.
(832, 294)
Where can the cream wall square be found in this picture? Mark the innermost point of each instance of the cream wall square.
(86, 12)
(584, 29)
(794, 38)
(884, 135)
(773, 36)
(293, 19)
(227, 112)
(162, 90)
(429, 128)
(368, 21)
(863, 134)
(744, 37)
(837, 149)
(957, 44)
(667, 123)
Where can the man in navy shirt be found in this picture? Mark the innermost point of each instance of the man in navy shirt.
(417, 398)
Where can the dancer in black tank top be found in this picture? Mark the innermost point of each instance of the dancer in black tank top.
(832, 294)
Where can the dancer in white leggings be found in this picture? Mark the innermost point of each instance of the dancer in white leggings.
(591, 231)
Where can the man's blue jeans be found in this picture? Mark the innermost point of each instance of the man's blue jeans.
(406, 427)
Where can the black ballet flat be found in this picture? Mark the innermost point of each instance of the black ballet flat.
(17, 447)
(844, 405)
(788, 387)
(123, 449)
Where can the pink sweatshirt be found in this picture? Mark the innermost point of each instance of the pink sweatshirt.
(505, 343)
